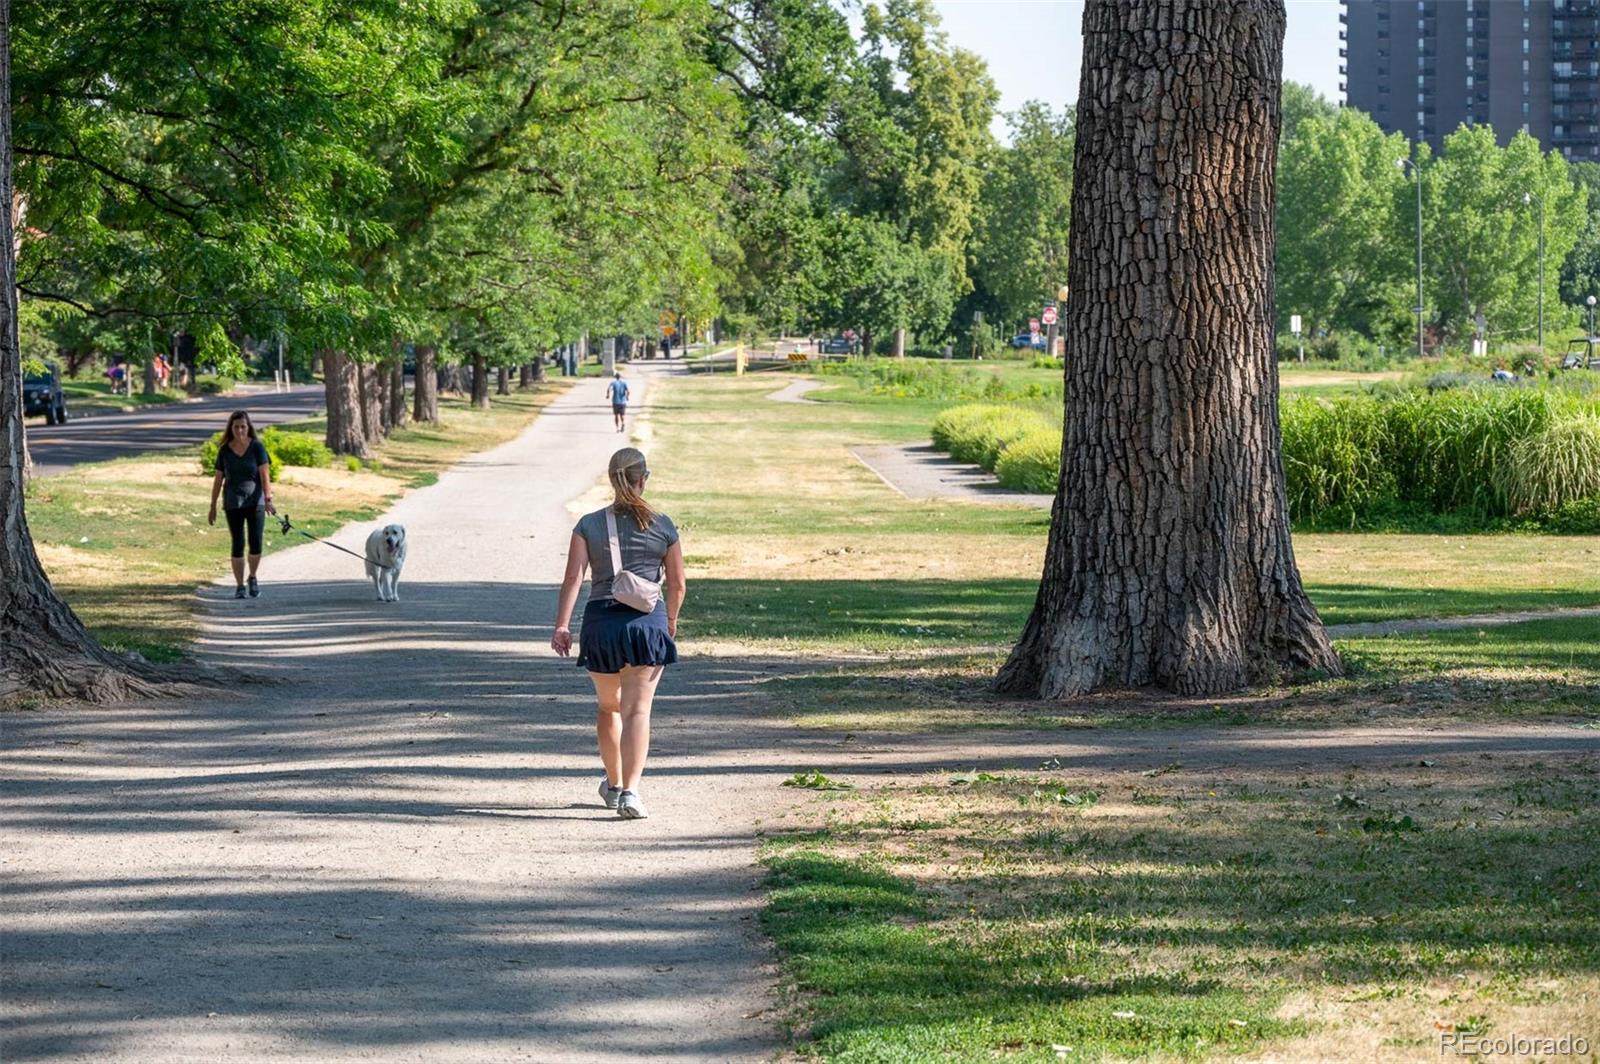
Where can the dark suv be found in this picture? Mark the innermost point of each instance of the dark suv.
(41, 394)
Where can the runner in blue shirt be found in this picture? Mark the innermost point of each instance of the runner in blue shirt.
(617, 392)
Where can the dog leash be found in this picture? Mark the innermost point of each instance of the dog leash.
(283, 520)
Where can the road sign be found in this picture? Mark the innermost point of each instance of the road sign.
(1033, 325)
(1294, 324)
(1049, 315)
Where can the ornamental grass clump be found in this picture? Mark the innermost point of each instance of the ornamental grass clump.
(1446, 447)
(1553, 470)
(1032, 462)
(979, 432)
(1334, 458)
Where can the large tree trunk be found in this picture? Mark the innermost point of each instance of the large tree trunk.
(397, 393)
(425, 382)
(383, 380)
(370, 402)
(502, 381)
(44, 648)
(1169, 561)
(536, 370)
(342, 385)
(480, 382)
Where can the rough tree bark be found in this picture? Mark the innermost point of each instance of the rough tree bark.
(397, 394)
(480, 382)
(369, 401)
(425, 382)
(342, 386)
(524, 375)
(1169, 561)
(536, 370)
(502, 381)
(383, 379)
(44, 648)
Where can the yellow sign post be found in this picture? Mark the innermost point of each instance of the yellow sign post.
(738, 361)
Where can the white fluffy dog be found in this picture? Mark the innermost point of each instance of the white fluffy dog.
(386, 556)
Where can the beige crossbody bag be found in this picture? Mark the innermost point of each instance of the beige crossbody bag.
(630, 589)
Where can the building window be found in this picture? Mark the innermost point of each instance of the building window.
(1524, 111)
(1524, 46)
(1526, 88)
(1524, 68)
(1419, 80)
(1420, 99)
(1563, 70)
(1469, 81)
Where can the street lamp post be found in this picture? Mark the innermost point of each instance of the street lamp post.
(1528, 197)
(1417, 174)
(1590, 301)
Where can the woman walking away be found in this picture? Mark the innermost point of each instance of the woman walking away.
(628, 624)
(244, 469)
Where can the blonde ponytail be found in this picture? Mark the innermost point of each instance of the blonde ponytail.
(627, 472)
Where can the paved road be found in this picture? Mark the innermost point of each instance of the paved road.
(57, 448)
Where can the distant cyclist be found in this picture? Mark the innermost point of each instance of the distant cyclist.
(617, 392)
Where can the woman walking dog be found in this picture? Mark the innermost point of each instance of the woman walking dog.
(244, 467)
(628, 623)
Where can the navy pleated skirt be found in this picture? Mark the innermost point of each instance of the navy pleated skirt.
(614, 636)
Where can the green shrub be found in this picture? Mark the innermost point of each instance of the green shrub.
(1334, 456)
(918, 379)
(296, 448)
(1580, 517)
(1031, 462)
(1047, 362)
(978, 433)
(352, 463)
(210, 448)
(1553, 469)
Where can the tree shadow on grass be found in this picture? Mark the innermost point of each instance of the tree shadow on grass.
(1190, 911)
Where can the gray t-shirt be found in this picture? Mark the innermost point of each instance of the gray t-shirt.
(642, 549)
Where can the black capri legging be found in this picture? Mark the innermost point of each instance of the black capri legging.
(238, 521)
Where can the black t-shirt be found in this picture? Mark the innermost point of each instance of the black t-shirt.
(241, 489)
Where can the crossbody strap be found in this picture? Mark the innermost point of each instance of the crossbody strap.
(616, 548)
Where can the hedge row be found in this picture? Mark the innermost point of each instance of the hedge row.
(1019, 445)
(1482, 453)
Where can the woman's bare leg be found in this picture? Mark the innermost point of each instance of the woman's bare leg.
(608, 723)
(638, 693)
(255, 563)
(238, 570)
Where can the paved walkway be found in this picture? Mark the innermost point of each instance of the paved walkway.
(922, 471)
(795, 392)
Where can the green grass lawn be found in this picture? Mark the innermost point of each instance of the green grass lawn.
(126, 543)
(1038, 914)
(795, 548)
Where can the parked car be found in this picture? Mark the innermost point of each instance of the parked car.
(1582, 353)
(1035, 341)
(838, 345)
(41, 394)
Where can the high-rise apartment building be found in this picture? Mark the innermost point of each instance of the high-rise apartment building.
(1423, 67)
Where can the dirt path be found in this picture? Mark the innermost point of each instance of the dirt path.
(1444, 624)
(394, 851)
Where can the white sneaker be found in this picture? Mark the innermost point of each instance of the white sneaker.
(629, 806)
(608, 793)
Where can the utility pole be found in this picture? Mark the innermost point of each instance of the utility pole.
(1416, 172)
